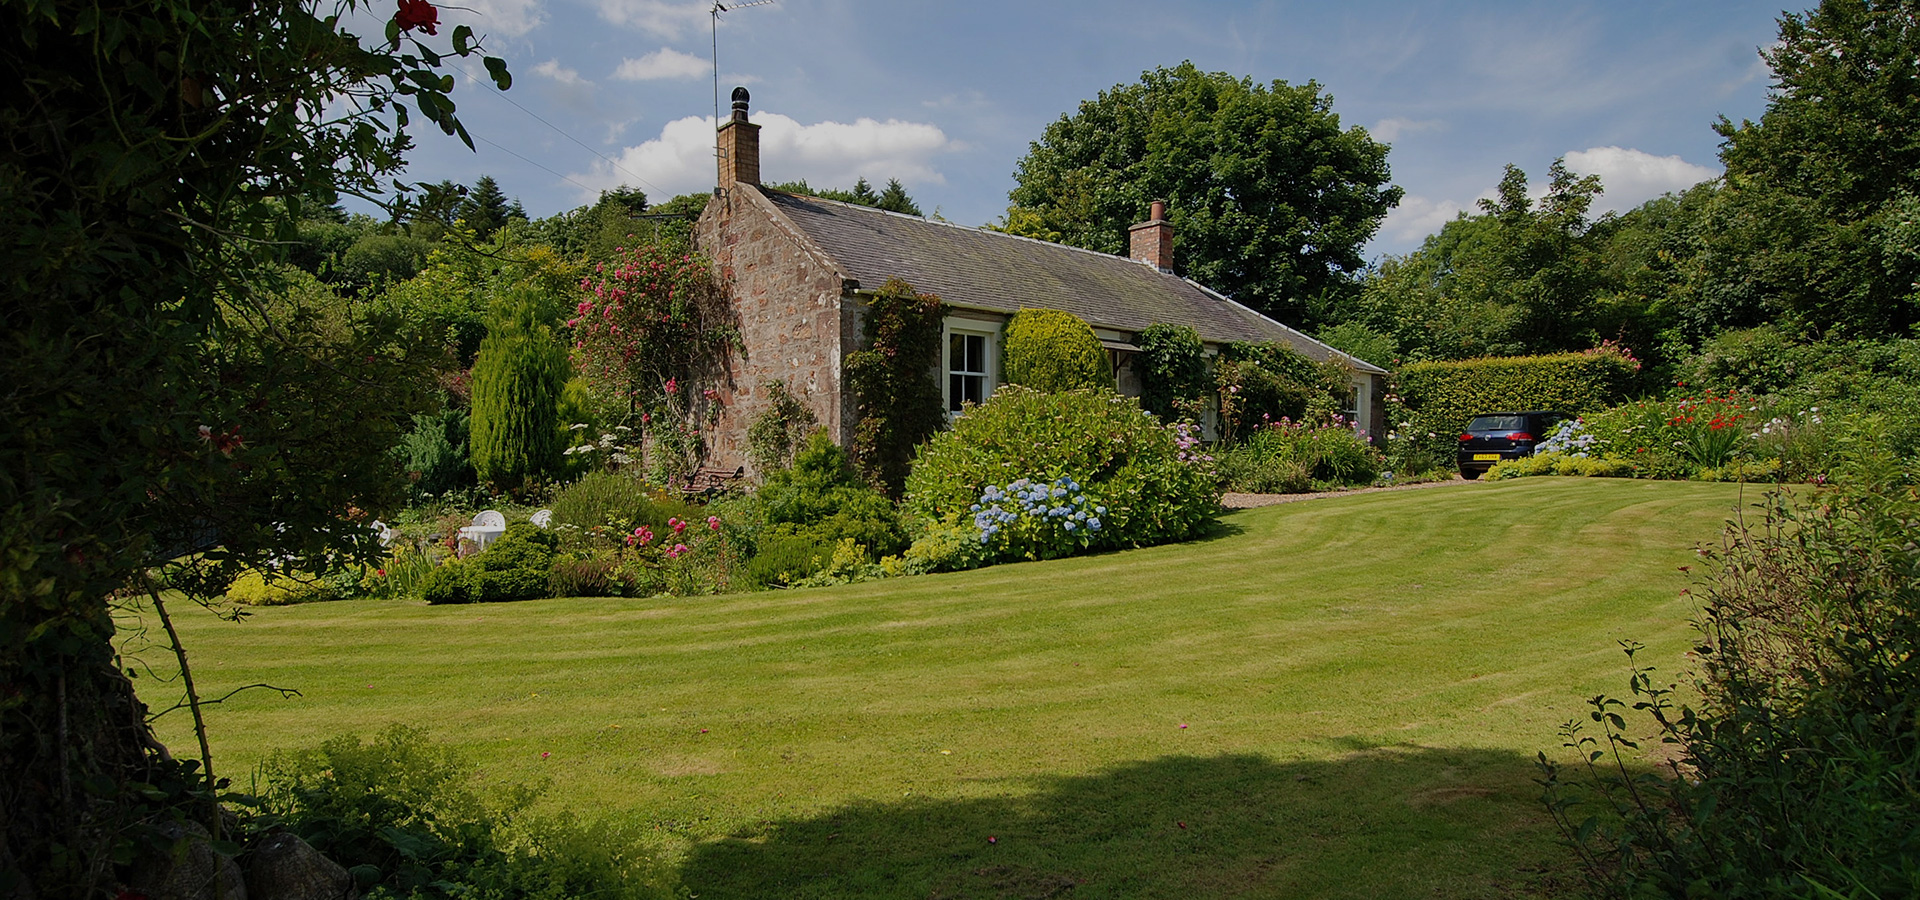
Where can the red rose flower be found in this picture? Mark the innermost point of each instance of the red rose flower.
(417, 14)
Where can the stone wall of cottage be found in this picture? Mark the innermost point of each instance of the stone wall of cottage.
(794, 322)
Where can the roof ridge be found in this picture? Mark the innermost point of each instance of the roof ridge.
(976, 229)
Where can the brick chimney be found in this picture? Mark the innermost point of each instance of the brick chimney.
(739, 149)
(1151, 242)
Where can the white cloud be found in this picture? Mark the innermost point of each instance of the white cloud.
(1392, 129)
(507, 18)
(668, 20)
(664, 63)
(1416, 217)
(552, 69)
(826, 154)
(1632, 177)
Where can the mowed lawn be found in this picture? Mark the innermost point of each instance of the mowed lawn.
(1333, 698)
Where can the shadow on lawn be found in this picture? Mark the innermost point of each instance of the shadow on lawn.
(1390, 822)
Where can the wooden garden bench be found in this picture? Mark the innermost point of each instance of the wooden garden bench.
(709, 481)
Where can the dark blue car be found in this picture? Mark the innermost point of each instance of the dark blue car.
(1493, 437)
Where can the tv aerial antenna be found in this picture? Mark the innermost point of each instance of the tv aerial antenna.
(713, 16)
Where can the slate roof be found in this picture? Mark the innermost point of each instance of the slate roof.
(976, 268)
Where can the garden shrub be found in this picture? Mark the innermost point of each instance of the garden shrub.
(1049, 350)
(893, 385)
(818, 502)
(588, 574)
(785, 557)
(1287, 457)
(1262, 383)
(620, 500)
(1795, 771)
(1552, 463)
(1174, 377)
(435, 454)
(448, 583)
(1442, 396)
(1154, 490)
(516, 566)
(409, 819)
(517, 382)
(253, 588)
(777, 434)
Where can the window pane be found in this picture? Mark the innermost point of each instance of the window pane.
(976, 353)
(956, 385)
(956, 352)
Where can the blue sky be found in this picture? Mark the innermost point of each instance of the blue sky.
(946, 96)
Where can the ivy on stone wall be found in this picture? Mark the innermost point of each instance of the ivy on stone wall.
(895, 394)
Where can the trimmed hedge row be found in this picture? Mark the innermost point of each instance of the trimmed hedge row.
(1442, 396)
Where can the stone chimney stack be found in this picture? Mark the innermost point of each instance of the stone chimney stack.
(739, 149)
(1151, 242)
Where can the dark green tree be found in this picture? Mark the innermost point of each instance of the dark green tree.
(1817, 216)
(1519, 277)
(1270, 199)
(895, 199)
(484, 209)
(863, 194)
(171, 388)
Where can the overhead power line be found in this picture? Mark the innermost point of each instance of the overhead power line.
(563, 133)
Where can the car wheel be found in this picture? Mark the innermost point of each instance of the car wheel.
(1470, 474)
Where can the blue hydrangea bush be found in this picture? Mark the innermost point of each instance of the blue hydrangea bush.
(1032, 475)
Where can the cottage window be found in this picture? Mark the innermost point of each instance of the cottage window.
(966, 369)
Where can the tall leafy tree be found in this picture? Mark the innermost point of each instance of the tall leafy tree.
(169, 388)
(1270, 199)
(1817, 217)
(1519, 277)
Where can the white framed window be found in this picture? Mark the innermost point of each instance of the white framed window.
(969, 363)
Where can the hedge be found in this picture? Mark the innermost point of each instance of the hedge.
(1442, 396)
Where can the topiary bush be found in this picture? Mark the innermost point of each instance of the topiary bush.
(516, 566)
(1049, 350)
(1152, 489)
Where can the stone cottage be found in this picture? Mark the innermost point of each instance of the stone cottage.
(798, 271)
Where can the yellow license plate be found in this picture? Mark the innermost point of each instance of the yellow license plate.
(1486, 457)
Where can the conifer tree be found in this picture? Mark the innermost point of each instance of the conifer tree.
(518, 378)
(895, 199)
(485, 208)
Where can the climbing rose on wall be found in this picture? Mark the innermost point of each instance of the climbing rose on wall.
(651, 325)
